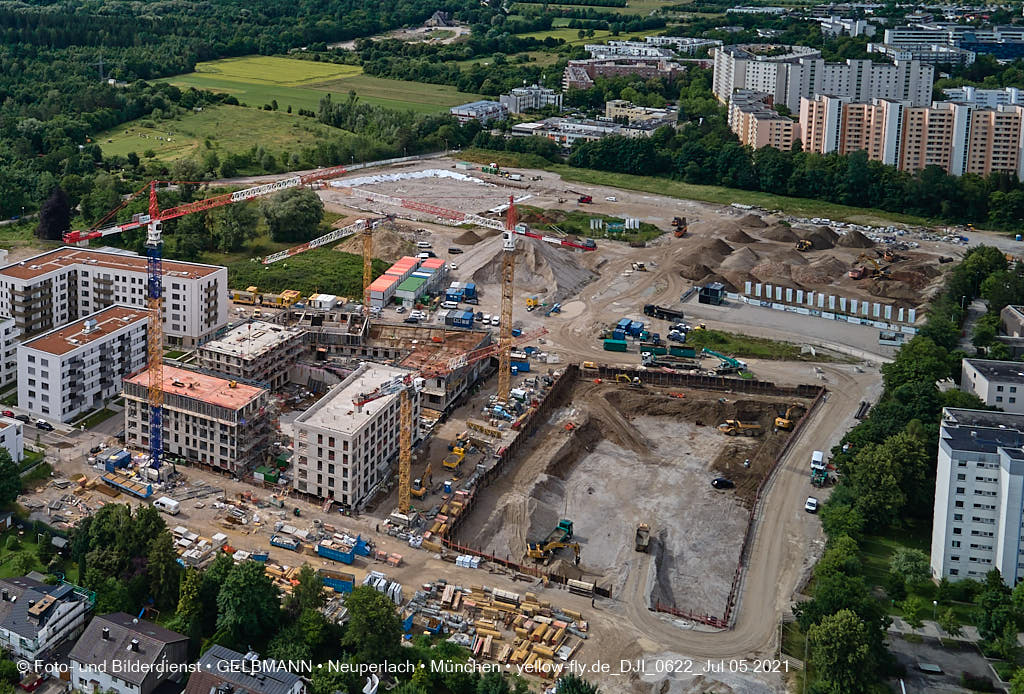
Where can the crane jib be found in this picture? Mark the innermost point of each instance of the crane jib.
(265, 189)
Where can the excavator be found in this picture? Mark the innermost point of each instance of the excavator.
(623, 378)
(734, 427)
(891, 256)
(546, 552)
(679, 223)
(876, 271)
(804, 245)
(786, 421)
(418, 488)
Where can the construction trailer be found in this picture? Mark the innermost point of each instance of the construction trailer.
(712, 293)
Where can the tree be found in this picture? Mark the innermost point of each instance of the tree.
(1017, 683)
(573, 684)
(895, 587)
(839, 519)
(889, 477)
(913, 611)
(54, 215)
(24, 563)
(45, 549)
(164, 570)
(949, 623)
(841, 556)
(842, 654)
(247, 604)
(919, 360)
(293, 215)
(308, 593)
(10, 479)
(374, 631)
(232, 226)
(912, 564)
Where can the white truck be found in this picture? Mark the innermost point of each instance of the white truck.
(168, 505)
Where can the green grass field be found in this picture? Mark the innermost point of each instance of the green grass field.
(259, 80)
(229, 129)
(572, 38)
(633, 7)
(715, 194)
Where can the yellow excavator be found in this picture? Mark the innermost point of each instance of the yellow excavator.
(804, 245)
(786, 421)
(734, 427)
(418, 488)
(545, 552)
(623, 378)
(877, 271)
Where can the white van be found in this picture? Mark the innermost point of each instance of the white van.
(423, 244)
(449, 304)
(167, 505)
(422, 256)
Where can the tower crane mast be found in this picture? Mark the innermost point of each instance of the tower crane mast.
(508, 275)
(153, 221)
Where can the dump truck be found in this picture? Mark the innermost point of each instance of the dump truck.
(561, 533)
(453, 460)
(734, 427)
(643, 537)
(662, 312)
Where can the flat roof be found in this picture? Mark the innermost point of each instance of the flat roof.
(411, 284)
(983, 431)
(203, 387)
(65, 257)
(995, 370)
(252, 339)
(74, 335)
(336, 410)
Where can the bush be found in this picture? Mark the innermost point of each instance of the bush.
(976, 682)
(9, 671)
(13, 544)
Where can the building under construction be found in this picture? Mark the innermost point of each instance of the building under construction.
(255, 351)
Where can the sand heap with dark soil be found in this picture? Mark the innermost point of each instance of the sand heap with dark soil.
(388, 244)
(822, 271)
(543, 268)
(854, 239)
(778, 232)
(752, 221)
(468, 238)
(821, 238)
(740, 236)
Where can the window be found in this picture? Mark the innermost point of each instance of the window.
(961, 478)
(956, 543)
(999, 389)
(999, 398)
(961, 490)
(958, 516)
(957, 531)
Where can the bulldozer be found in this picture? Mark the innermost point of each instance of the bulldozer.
(640, 267)
(804, 245)
(546, 552)
(734, 427)
(786, 421)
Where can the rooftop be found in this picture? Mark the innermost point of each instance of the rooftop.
(337, 410)
(262, 678)
(22, 594)
(252, 339)
(983, 431)
(203, 387)
(45, 263)
(93, 327)
(1003, 371)
(110, 637)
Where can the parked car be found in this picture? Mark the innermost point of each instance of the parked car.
(23, 418)
(411, 319)
(722, 483)
(44, 425)
(479, 316)
(811, 505)
(495, 320)
(7, 413)
(454, 250)
(95, 449)
(453, 266)
(400, 309)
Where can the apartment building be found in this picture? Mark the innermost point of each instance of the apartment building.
(60, 286)
(1003, 42)
(790, 73)
(148, 655)
(580, 74)
(979, 494)
(35, 617)
(207, 420)
(997, 383)
(987, 98)
(620, 108)
(758, 125)
(67, 372)
(682, 44)
(957, 137)
(8, 351)
(929, 54)
(629, 49)
(255, 351)
(344, 451)
(223, 671)
(480, 111)
(530, 98)
(12, 437)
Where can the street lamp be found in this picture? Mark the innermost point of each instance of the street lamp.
(935, 609)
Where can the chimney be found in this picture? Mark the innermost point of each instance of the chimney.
(134, 645)
(4, 594)
(106, 634)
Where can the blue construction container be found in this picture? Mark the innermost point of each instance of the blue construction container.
(635, 328)
(362, 547)
(460, 319)
(285, 542)
(624, 324)
(116, 459)
(338, 581)
(521, 366)
(470, 290)
(453, 295)
(619, 335)
(336, 554)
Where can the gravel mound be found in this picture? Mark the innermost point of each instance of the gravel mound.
(854, 239)
(821, 238)
(822, 271)
(779, 233)
(743, 260)
(543, 268)
(468, 238)
(710, 253)
(771, 271)
(753, 221)
(694, 272)
(740, 236)
(388, 244)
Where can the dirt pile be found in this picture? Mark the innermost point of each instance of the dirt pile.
(824, 270)
(468, 238)
(778, 232)
(389, 244)
(740, 236)
(752, 221)
(742, 260)
(694, 272)
(543, 269)
(709, 253)
(854, 239)
(914, 280)
(771, 271)
(821, 238)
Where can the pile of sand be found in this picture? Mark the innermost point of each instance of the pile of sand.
(752, 221)
(854, 239)
(892, 289)
(544, 268)
(914, 280)
(927, 269)
(771, 271)
(389, 244)
(729, 286)
(708, 253)
(821, 272)
(694, 272)
(821, 238)
(740, 236)
(743, 260)
(779, 232)
(468, 238)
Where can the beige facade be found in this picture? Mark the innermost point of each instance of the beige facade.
(757, 125)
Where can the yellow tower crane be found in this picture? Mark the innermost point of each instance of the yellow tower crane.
(367, 234)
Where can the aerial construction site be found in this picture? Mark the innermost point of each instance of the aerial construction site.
(566, 469)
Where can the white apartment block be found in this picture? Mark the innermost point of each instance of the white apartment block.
(69, 371)
(207, 421)
(530, 98)
(682, 44)
(989, 98)
(12, 437)
(8, 351)
(255, 351)
(57, 287)
(344, 451)
(630, 49)
(979, 496)
(998, 383)
(791, 72)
